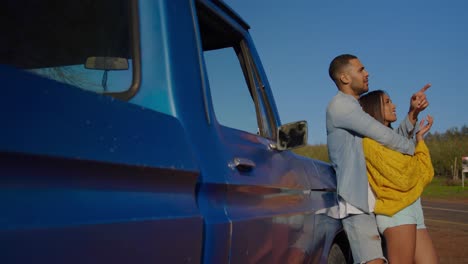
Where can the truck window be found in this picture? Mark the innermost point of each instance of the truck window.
(236, 89)
(87, 44)
(232, 101)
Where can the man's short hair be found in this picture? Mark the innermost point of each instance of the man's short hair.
(338, 63)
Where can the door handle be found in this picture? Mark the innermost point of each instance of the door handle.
(242, 164)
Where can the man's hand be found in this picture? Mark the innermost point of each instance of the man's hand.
(418, 103)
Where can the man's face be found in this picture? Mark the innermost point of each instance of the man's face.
(358, 76)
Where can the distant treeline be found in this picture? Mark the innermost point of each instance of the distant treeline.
(444, 147)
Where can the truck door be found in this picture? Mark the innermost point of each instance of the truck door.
(87, 175)
(268, 199)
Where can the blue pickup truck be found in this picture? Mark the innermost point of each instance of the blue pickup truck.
(145, 131)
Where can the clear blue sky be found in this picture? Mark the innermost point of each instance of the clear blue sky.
(403, 45)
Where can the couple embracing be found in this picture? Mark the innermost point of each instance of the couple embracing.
(381, 172)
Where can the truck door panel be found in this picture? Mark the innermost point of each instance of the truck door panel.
(85, 178)
(269, 201)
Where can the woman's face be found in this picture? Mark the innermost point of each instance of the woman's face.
(389, 110)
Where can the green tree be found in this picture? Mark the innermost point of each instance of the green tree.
(446, 147)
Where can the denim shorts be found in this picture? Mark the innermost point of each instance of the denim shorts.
(363, 236)
(413, 214)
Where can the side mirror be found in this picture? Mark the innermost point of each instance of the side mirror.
(292, 135)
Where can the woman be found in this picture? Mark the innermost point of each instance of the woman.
(397, 181)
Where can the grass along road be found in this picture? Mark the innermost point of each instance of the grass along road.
(439, 190)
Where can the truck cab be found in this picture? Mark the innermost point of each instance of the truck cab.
(145, 131)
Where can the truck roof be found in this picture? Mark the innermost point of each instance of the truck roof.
(223, 6)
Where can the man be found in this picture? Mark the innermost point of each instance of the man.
(347, 124)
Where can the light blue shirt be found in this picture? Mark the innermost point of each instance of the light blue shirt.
(347, 124)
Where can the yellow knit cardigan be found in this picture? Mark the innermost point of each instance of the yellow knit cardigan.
(396, 179)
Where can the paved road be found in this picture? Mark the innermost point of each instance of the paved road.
(447, 223)
(446, 212)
